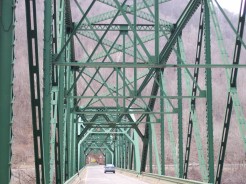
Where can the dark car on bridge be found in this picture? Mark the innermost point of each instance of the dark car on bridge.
(109, 168)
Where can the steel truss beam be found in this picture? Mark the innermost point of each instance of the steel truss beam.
(119, 27)
(97, 98)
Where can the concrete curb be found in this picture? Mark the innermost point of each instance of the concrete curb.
(78, 178)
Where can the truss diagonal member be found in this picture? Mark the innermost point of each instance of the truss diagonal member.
(130, 10)
(164, 55)
(89, 131)
(230, 24)
(150, 72)
(126, 135)
(97, 71)
(80, 136)
(99, 43)
(101, 40)
(193, 125)
(129, 23)
(95, 93)
(109, 148)
(233, 100)
(145, 104)
(35, 99)
(74, 31)
(138, 131)
(183, 19)
(143, 74)
(142, 86)
(232, 91)
(193, 121)
(118, 48)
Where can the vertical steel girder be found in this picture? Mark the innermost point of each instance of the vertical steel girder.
(7, 38)
(170, 130)
(47, 58)
(70, 121)
(180, 116)
(61, 28)
(162, 129)
(150, 150)
(208, 81)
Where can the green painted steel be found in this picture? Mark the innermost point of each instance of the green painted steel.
(156, 151)
(105, 87)
(231, 91)
(89, 118)
(150, 156)
(209, 105)
(180, 115)
(162, 121)
(233, 100)
(33, 58)
(47, 57)
(137, 163)
(7, 38)
(193, 120)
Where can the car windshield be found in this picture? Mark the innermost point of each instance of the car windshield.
(109, 165)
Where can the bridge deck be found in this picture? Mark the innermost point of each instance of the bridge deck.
(95, 174)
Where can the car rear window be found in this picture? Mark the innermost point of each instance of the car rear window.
(109, 165)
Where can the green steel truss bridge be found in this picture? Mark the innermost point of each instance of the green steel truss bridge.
(106, 72)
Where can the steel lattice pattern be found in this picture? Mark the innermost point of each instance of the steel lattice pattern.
(116, 79)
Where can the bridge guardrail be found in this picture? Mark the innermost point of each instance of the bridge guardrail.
(75, 176)
(168, 179)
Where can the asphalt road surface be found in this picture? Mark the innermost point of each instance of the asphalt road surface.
(96, 175)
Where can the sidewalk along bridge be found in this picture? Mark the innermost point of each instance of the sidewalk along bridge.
(116, 80)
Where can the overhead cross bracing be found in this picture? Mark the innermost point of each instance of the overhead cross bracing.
(118, 80)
